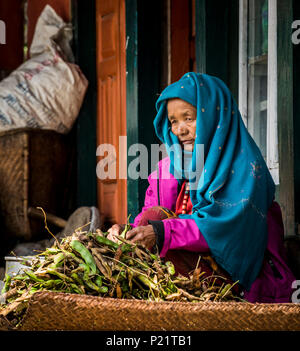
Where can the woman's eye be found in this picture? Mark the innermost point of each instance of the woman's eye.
(173, 121)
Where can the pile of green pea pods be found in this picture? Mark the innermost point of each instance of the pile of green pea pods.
(89, 263)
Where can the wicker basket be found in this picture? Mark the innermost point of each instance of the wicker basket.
(34, 167)
(60, 311)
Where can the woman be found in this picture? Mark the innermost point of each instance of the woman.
(225, 212)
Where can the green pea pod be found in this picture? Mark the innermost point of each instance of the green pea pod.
(59, 275)
(73, 256)
(33, 277)
(76, 289)
(85, 254)
(154, 257)
(147, 282)
(123, 274)
(50, 284)
(126, 248)
(86, 269)
(170, 267)
(88, 282)
(78, 269)
(93, 286)
(7, 284)
(51, 251)
(98, 281)
(58, 258)
(104, 241)
(20, 277)
(103, 289)
(76, 278)
(172, 287)
(225, 290)
(125, 287)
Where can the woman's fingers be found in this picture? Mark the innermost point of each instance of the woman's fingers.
(111, 237)
(145, 235)
(138, 236)
(114, 230)
(132, 233)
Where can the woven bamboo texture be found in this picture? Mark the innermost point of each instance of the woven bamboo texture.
(34, 166)
(60, 311)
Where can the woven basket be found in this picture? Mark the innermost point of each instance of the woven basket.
(60, 311)
(34, 171)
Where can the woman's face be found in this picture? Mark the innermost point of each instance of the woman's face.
(182, 117)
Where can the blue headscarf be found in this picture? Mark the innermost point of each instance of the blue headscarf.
(235, 189)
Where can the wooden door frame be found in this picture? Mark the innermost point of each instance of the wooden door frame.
(111, 109)
(285, 124)
(296, 120)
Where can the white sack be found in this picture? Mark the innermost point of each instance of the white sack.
(46, 91)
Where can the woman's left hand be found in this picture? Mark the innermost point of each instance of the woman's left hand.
(145, 235)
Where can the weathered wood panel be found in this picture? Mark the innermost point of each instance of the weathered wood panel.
(296, 119)
(111, 116)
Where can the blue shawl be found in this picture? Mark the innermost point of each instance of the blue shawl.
(234, 189)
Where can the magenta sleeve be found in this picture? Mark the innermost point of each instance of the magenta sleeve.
(150, 201)
(182, 234)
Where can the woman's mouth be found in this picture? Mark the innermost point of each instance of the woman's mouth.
(186, 142)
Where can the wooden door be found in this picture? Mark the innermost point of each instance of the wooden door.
(182, 33)
(111, 100)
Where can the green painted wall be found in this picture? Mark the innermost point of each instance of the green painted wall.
(217, 40)
(143, 66)
(84, 21)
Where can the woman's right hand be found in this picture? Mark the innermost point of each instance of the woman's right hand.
(116, 229)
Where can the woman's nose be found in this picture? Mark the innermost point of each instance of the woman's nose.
(182, 129)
